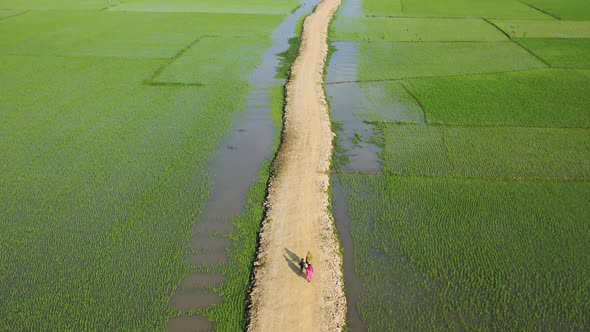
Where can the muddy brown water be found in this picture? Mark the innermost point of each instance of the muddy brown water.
(190, 324)
(209, 257)
(195, 299)
(201, 280)
(239, 158)
(210, 243)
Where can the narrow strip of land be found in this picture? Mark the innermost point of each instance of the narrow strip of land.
(297, 218)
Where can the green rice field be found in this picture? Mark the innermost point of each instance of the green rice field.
(444, 253)
(427, 59)
(486, 152)
(543, 98)
(111, 113)
(478, 217)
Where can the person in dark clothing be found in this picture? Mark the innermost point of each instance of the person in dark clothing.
(302, 265)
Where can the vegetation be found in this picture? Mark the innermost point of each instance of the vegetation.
(544, 29)
(545, 98)
(444, 253)
(478, 218)
(419, 59)
(170, 6)
(454, 8)
(231, 314)
(413, 29)
(565, 10)
(136, 35)
(194, 65)
(486, 152)
(229, 6)
(570, 52)
(107, 136)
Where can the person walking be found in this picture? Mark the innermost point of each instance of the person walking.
(308, 258)
(302, 265)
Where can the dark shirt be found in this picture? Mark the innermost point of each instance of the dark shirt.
(302, 264)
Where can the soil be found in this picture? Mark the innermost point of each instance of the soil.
(298, 219)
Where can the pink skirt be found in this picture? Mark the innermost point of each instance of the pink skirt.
(309, 273)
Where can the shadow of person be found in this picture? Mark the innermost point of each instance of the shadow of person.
(293, 262)
(293, 256)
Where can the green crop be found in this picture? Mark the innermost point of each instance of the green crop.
(107, 136)
(6, 13)
(564, 9)
(99, 190)
(122, 34)
(231, 314)
(225, 6)
(171, 6)
(58, 5)
(448, 254)
(453, 8)
(544, 29)
(484, 152)
(567, 52)
(413, 29)
(478, 220)
(546, 98)
(396, 60)
(194, 65)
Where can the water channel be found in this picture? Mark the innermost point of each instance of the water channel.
(238, 161)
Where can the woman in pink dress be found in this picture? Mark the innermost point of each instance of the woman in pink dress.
(309, 272)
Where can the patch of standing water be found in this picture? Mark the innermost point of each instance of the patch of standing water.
(238, 161)
(352, 281)
(343, 63)
(345, 105)
(351, 8)
(351, 104)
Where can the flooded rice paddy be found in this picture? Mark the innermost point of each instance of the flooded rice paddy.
(392, 280)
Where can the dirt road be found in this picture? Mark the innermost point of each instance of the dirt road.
(297, 219)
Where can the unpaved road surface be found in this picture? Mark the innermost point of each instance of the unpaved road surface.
(298, 219)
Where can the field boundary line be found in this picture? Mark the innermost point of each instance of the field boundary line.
(541, 10)
(459, 177)
(15, 14)
(497, 178)
(476, 125)
(178, 54)
(531, 53)
(109, 7)
(345, 171)
(424, 118)
(498, 28)
(454, 18)
(172, 84)
(173, 58)
(423, 41)
(112, 57)
(444, 76)
(575, 68)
